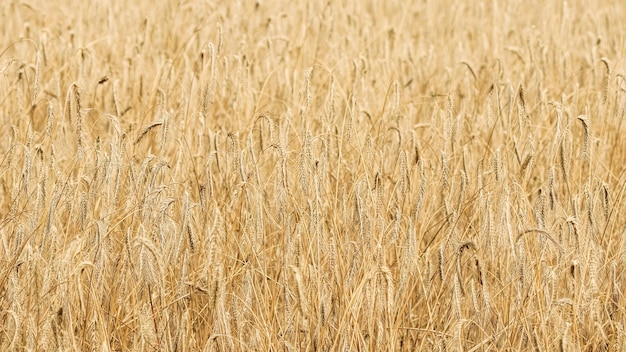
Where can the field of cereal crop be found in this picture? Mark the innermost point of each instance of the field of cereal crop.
(312, 176)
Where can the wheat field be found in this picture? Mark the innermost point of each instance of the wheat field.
(310, 176)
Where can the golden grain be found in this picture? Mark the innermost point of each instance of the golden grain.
(308, 176)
